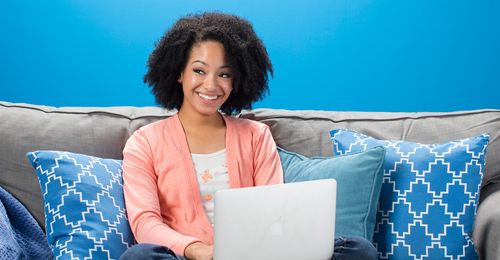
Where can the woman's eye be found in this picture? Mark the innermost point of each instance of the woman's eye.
(225, 75)
(198, 71)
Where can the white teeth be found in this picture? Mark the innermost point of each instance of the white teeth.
(207, 97)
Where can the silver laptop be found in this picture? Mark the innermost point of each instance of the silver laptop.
(286, 221)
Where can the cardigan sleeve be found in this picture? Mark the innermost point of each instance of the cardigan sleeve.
(267, 163)
(141, 198)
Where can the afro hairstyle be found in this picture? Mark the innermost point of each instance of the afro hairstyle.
(244, 52)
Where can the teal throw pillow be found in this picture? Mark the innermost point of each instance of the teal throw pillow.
(84, 206)
(359, 178)
(429, 195)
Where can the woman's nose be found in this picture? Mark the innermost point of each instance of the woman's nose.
(210, 81)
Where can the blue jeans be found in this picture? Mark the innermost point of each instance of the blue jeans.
(345, 248)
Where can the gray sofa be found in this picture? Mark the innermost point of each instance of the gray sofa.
(103, 131)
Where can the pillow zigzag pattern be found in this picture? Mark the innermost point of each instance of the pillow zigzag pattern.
(429, 195)
(84, 206)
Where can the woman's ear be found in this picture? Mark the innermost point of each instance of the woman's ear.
(179, 79)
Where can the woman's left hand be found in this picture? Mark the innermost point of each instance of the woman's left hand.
(199, 251)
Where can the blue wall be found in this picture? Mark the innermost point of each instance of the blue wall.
(329, 54)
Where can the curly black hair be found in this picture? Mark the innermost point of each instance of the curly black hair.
(244, 52)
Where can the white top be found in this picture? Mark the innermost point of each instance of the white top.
(211, 172)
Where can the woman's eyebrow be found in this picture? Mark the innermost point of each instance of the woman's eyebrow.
(204, 63)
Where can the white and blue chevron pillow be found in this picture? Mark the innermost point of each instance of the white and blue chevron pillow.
(429, 195)
(84, 206)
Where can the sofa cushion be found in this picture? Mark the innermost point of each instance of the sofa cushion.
(84, 206)
(356, 200)
(429, 195)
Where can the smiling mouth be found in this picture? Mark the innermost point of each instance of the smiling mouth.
(207, 97)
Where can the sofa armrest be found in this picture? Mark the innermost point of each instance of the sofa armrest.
(487, 228)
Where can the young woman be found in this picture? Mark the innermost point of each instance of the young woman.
(208, 67)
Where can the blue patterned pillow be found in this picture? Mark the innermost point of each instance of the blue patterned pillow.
(84, 205)
(429, 195)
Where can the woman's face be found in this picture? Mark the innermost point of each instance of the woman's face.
(206, 80)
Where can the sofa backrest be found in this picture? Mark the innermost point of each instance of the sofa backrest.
(307, 132)
(103, 131)
(99, 132)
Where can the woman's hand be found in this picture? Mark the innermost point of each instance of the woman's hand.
(199, 251)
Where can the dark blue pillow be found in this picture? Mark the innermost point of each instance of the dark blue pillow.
(84, 206)
(429, 195)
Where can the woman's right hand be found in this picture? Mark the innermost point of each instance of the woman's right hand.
(199, 251)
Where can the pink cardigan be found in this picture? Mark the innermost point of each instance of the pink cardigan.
(162, 197)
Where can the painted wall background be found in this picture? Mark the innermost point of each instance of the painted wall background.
(363, 55)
